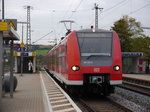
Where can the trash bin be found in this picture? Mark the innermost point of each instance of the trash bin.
(7, 83)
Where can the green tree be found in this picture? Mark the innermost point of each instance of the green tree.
(127, 28)
(141, 44)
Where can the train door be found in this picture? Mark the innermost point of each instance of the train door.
(60, 62)
(55, 61)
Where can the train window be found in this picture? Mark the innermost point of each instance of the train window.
(93, 34)
(95, 46)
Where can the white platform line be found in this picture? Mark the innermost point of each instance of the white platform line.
(61, 105)
(65, 110)
(51, 93)
(57, 98)
(46, 101)
(53, 88)
(58, 101)
(67, 96)
(55, 95)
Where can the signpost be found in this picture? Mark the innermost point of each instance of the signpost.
(22, 46)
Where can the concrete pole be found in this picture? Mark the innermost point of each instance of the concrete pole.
(22, 53)
(11, 69)
(3, 11)
(1, 67)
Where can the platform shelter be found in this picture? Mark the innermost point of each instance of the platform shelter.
(22, 60)
(130, 62)
(7, 36)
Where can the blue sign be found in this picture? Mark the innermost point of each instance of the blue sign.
(132, 54)
(18, 49)
(25, 54)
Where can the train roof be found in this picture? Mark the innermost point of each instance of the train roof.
(96, 30)
(86, 30)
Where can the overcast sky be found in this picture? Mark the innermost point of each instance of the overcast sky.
(47, 14)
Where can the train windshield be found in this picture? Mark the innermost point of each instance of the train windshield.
(95, 46)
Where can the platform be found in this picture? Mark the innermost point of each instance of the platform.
(144, 77)
(140, 79)
(27, 97)
(38, 92)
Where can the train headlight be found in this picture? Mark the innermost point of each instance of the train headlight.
(116, 68)
(75, 68)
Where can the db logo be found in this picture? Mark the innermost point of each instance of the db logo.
(96, 69)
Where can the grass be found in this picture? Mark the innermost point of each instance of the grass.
(41, 52)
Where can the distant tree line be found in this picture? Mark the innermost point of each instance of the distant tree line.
(42, 47)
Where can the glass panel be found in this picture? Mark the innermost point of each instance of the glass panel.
(98, 46)
(95, 48)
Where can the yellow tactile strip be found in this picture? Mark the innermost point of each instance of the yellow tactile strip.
(27, 97)
(57, 99)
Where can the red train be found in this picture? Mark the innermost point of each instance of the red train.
(88, 60)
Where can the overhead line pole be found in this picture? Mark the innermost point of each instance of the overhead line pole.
(96, 15)
(19, 22)
(28, 41)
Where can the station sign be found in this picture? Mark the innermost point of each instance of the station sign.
(12, 22)
(18, 49)
(4, 26)
(25, 54)
(132, 54)
(22, 45)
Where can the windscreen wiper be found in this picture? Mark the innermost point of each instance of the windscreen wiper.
(92, 55)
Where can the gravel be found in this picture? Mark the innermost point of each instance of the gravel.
(132, 100)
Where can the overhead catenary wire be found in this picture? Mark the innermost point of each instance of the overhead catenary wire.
(114, 6)
(42, 37)
(139, 9)
(66, 12)
(74, 11)
(135, 11)
(105, 10)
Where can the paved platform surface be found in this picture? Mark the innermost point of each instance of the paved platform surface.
(145, 77)
(27, 97)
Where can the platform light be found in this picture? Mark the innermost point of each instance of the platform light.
(75, 68)
(117, 68)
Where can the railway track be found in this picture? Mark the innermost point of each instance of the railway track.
(142, 89)
(96, 103)
(99, 104)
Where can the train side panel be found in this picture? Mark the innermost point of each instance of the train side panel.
(116, 76)
(74, 77)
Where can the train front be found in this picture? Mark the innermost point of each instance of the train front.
(100, 61)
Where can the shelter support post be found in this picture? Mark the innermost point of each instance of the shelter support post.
(1, 66)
